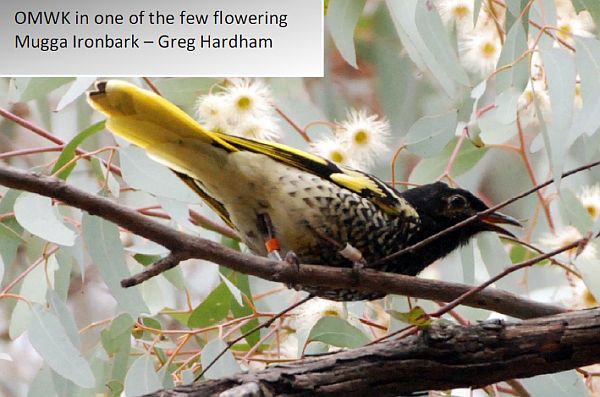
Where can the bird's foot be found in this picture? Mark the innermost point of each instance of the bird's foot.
(358, 262)
(292, 259)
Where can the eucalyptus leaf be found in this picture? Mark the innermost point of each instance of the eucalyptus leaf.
(560, 384)
(226, 365)
(431, 168)
(341, 20)
(560, 71)
(337, 332)
(141, 378)
(140, 172)
(430, 134)
(517, 74)
(416, 316)
(78, 88)
(33, 288)
(573, 212)
(235, 291)
(49, 338)
(498, 125)
(496, 260)
(424, 38)
(64, 315)
(39, 217)
(10, 230)
(106, 251)
(70, 149)
(213, 309)
(467, 259)
(38, 87)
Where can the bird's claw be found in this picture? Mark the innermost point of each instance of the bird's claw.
(292, 259)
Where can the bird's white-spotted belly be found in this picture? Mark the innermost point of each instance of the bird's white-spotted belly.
(293, 199)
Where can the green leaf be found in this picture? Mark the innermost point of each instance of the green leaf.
(514, 46)
(120, 329)
(38, 87)
(42, 385)
(467, 260)
(10, 230)
(573, 212)
(416, 316)
(425, 40)
(140, 172)
(49, 338)
(337, 332)
(116, 341)
(37, 215)
(34, 287)
(79, 86)
(242, 282)
(498, 125)
(560, 384)
(560, 73)
(64, 315)
(225, 366)
(496, 259)
(431, 168)
(235, 292)
(342, 17)
(106, 251)
(430, 134)
(213, 309)
(68, 152)
(141, 378)
(587, 58)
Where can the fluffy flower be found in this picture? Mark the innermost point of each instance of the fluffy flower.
(247, 97)
(571, 24)
(480, 49)
(333, 150)
(566, 236)
(257, 128)
(242, 108)
(581, 297)
(363, 135)
(459, 12)
(310, 312)
(535, 93)
(212, 111)
(590, 199)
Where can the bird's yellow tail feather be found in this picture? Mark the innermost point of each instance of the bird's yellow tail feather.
(147, 119)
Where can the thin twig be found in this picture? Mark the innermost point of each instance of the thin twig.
(253, 330)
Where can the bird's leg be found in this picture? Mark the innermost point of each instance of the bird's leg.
(347, 251)
(272, 245)
(271, 241)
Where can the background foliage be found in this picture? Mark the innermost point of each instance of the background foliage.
(68, 329)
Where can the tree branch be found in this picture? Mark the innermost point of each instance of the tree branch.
(195, 247)
(440, 358)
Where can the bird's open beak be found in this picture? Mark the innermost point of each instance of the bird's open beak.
(491, 222)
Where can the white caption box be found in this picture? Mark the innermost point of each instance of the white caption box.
(157, 38)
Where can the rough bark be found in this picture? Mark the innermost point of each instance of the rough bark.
(440, 358)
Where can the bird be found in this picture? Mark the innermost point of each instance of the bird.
(287, 201)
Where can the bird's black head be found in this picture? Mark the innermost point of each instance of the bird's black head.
(440, 207)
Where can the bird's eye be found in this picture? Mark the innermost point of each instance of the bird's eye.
(457, 202)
